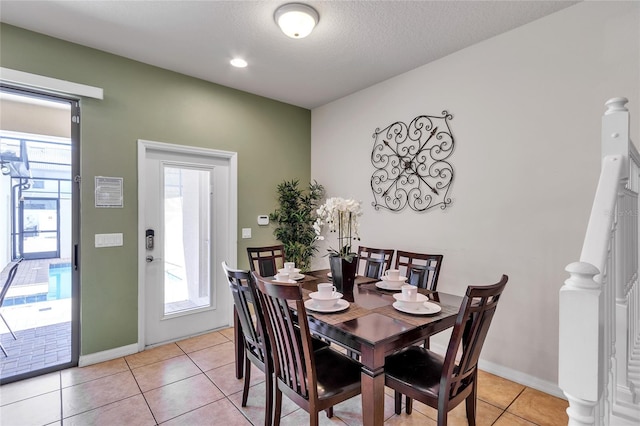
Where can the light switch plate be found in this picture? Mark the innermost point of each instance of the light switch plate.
(246, 232)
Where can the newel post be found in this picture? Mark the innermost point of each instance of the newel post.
(581, 343)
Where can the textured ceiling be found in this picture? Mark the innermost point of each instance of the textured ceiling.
(355, 45)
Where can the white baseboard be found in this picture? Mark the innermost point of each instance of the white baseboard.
(107, 355)
(513, 375)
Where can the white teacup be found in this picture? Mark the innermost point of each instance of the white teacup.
(282, 276)
(289, 267)
(392, 274)
(409, 292)
(326, 290)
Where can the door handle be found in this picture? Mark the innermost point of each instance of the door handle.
(149, 259)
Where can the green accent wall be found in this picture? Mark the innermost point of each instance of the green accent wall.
(146, 102)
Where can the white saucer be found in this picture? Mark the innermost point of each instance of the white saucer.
(286, 282)
(427, 308)
(419, 298)
(295, 270)
(385, 286)
(340, 305)
(400, 279)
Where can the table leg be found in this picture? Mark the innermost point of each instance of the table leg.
(238, 341)
(372, 397)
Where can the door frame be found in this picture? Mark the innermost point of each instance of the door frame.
(232, 228)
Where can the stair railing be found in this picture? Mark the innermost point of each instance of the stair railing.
(599, 348)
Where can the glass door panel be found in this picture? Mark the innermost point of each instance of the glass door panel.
(187, 211)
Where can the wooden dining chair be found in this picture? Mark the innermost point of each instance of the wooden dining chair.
(314, 380)
(443, 383)
(376, 261)
(255, 339)
(266, 260)
(3, 293)
(421, 270)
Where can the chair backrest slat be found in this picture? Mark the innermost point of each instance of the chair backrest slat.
(249, 311)
(469, 332)
(421, 270)
(376, 261)
(266, 260)
(293, 356)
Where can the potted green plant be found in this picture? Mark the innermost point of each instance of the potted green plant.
(294, 219)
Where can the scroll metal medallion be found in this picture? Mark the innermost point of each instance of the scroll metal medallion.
(411, 164)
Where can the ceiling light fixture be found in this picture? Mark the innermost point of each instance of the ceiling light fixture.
(238, 63)
(296, 20)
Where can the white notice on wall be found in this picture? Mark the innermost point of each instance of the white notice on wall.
(109, 192)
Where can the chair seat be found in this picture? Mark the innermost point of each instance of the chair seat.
(336, 373)
(416, 367)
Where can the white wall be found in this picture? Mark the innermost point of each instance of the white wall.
(527, 107)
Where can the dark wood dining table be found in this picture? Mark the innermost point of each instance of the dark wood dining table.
(372, 328)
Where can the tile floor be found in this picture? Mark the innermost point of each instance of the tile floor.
(192, 382)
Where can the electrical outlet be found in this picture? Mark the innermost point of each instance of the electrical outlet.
(246, 232)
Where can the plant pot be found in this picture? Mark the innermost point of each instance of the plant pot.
(343, 274)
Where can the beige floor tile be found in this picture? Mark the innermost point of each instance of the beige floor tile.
(96, 393)
(225, 378)
(181, 397)
(497, 391)
(129, 411)
(215, 356)
(486, 413)
(77, 375)
(162, 373)
(414, 419)
(153, 355)
(540, 408)
(29, 388)
(221, 412)
(228, 333)
(350, 411)
(254, 410)
(301, 417)
(39, 410)
(203, 341)
(508, 419)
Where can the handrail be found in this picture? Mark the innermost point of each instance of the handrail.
(596, 242)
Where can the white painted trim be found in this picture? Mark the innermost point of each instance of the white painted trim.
(513, 375)
(49, 84)
(108, 355)
(232, 157)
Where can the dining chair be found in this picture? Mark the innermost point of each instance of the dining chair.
(444, 382)
(376, 261)
(3, 293)
(314, 380)
(255, 340)
(266, 260)
(421, 270)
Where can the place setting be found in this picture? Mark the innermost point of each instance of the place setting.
(391, 280)
(326, 300)
(289, 273)
(410, 301)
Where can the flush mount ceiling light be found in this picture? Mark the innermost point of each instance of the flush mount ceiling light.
(296, 20)
(238, 62)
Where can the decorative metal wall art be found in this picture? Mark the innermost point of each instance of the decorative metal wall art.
(411, 166)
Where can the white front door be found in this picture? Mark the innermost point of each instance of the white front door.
(185, 195)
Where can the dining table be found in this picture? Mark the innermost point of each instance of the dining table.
(372, 328)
